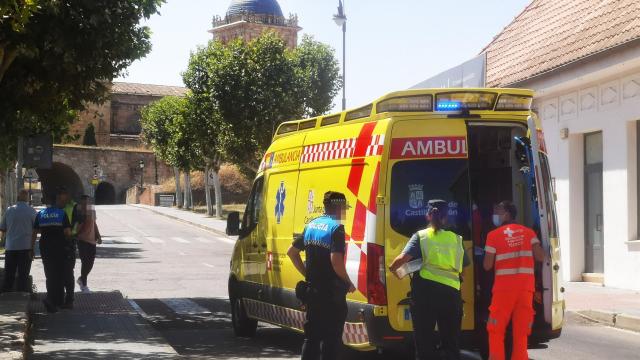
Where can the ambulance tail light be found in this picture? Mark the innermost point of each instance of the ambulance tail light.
(376, 287)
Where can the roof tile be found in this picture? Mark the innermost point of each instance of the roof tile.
(551, 33)
(147, 89)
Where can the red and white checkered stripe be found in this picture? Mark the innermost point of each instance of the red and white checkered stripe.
(353, 334)
(274, 314)
(376, 145)
(332, 150)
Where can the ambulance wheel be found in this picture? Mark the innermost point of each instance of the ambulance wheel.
(243, 326)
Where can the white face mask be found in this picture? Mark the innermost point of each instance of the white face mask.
(497, 221)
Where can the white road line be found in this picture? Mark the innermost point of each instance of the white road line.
(208, 265)
(180, 240)
(204, 240)
(129, 240)
(138, 309)
(185, 307)
(155, 240)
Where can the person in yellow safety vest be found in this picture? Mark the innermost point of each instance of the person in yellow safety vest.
(435, 293)
(64, 201)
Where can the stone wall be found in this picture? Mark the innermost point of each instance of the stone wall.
(249, 31)
(117, 167)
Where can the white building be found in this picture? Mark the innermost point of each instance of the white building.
(582, 57)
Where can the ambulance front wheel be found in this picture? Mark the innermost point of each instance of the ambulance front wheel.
(243, 326)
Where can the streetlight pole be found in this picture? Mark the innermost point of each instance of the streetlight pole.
(341, 20)
(141, 173)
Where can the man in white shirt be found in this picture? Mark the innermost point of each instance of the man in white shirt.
(17, 226)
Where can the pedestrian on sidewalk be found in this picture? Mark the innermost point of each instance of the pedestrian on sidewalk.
(17, 227)
(323, 241)
(512, 249)
(53, 225)
(88, 238)
(70, 207)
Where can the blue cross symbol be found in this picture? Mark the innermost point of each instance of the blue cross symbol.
(280, 196)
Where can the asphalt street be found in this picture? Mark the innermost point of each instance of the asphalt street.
(176, 276)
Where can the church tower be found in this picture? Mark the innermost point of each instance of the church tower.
(248, 19)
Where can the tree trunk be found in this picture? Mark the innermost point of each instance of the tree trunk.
(3, 191)
(187, 191)
(218, 193)
(207, 189)
(176, 173)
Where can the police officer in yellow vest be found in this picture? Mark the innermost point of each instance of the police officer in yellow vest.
(435, 292)
(64, 201)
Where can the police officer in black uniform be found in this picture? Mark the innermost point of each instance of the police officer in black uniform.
(53, 225)
(323, 240)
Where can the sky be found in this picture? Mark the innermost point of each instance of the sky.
(391, 44)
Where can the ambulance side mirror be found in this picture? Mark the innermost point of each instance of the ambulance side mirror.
(233, 223)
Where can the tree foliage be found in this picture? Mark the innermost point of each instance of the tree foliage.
(166, 129)
(250, 88)
(57, 55)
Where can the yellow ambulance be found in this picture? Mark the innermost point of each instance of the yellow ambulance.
(470, 147)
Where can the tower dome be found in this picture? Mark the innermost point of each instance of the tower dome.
(262, 7)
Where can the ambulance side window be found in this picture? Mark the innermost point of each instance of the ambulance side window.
(252, 212)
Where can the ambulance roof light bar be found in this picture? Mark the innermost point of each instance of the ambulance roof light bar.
(461, 101)
(409, 103)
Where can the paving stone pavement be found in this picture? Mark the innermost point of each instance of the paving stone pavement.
(102, 325)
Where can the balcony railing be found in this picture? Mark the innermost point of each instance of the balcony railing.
(292, 21)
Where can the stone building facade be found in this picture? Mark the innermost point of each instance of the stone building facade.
(117, 121)
(248, 19)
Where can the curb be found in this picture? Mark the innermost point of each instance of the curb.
(203, 227)
(613, 319)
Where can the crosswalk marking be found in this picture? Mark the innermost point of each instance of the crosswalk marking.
(180, 240)
(204, 241)
(155, 240)
(185, 307)
(225, 240)
(129, 240)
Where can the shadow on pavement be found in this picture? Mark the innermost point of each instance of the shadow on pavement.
(203, 331)
(102, 325)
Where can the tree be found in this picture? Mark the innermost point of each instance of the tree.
(257, 85)
(89, 138)
(166, 130)
(57, 55)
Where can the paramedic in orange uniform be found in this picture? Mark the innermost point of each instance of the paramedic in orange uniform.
(511, 248)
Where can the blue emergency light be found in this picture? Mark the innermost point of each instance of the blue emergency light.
(448, 106)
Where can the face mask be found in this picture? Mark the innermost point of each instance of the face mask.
(497, 221)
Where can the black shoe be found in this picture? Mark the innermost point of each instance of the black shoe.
(49, 306)
(67, 305)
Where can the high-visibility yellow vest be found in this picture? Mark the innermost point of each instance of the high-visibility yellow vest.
(68, 209)
(442, 256)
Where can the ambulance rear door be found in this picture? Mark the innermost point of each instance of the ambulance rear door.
(427, 160)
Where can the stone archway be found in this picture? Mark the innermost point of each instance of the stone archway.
(105, 194)
(60, 175)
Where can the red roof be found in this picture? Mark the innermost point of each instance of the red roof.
(551, 33)
(147, 89)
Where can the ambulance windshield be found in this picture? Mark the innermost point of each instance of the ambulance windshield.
(415, 182)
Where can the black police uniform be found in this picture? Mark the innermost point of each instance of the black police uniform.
(51, 223)
(327, 305)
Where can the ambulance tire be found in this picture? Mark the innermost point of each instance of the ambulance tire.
(243, 325)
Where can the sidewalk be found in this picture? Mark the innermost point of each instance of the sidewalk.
(200, 220)
(13, 322)
(102, 325)
(614, 307)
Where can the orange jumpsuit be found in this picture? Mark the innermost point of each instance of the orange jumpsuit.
(513, 289)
